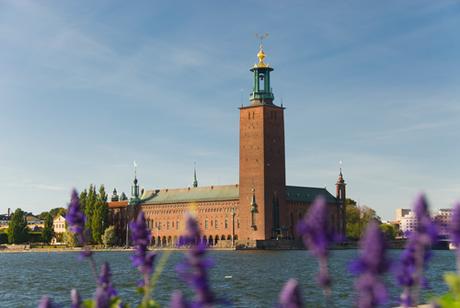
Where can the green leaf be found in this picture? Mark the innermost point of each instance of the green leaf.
(150, 304)
(453, 281)
(89, 303)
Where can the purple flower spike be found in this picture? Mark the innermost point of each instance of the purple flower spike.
(75, 298)
(104, 290)
(142, 258)
(46, 302)
(416, 254)
(317, 237)
(193, 269)
(178, 300)
(76, 221)
(371, 263)
(455, 226)
(427, 229)
(290, 296)
(75, 217)
(314, 228)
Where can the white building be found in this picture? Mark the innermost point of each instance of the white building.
(59, 224)
(443, 218)
(408, 223)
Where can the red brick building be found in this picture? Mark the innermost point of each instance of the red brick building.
(260, 207)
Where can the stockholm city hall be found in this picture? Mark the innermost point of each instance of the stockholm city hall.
(260, 207)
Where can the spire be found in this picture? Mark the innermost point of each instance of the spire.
(340, 180)
(261, 56)
(195, 181)
(262, 91)
(135, 186)
(114, 195)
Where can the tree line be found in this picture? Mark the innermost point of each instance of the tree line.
(93, 203)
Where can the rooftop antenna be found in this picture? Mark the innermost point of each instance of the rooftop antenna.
(340, 164)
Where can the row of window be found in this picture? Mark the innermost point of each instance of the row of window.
(175, 224)
(181, 211)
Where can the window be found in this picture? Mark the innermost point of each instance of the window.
(206, 224)
(226, 224)
(167, 225)
(215, 224)
(177, 225)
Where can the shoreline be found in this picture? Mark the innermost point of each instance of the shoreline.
(78, 249)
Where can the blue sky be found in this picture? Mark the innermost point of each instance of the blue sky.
(88, 87)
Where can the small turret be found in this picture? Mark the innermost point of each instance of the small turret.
(195, 181)
(114, 195)
(341, 203)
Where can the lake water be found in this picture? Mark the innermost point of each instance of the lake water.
(257, 277)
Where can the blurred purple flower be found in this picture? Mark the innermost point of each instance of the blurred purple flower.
(455, 226)
(290, 296)
(76, 221)
(46, 302)
(105, 290)
(426, 227)
(372, 257)
(75, 298)
(178, 300)
(407, 268)
(371, 263)
(193, 269)
(416, 254)
(314, 228)
(372, 291)
(142, 258)
(75, 217)
(316, 235)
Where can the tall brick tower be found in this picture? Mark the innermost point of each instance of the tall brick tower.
(262, 161)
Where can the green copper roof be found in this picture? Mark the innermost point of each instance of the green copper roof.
(191, 194)
(226, 192)
(307, 194)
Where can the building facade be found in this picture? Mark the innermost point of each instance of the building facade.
(260, 207)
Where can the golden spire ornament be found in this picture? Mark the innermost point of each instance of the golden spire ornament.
(261, 53)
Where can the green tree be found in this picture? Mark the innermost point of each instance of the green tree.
(57, 211)
(17, 228)
(89, 206)
(69, 238)
(83, 198)
(100, 213)
(389, 231)
(357, 219)
(48, 230)
(109, 237)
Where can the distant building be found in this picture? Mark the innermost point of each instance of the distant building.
(260, 207)
(442, 218)
(408, 223)
(5, 219)
(59, 224)
(34, 223)
(400, 213)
